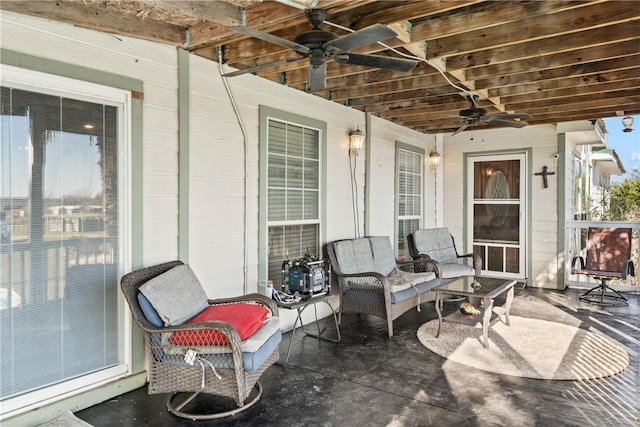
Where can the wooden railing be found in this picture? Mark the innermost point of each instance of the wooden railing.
(37, 272)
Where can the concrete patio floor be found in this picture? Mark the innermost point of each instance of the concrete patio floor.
(369, 379)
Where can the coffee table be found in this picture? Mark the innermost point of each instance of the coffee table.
(487, 289)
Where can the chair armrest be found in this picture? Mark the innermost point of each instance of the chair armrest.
(628, 269)
(364, 280)
(476, 260)
(218, 327)
(424, 263)
(573, 263)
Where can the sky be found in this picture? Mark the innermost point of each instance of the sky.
(71, 165)
(626, 145)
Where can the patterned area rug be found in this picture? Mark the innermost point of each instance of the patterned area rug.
(531, 348)
(66, 420)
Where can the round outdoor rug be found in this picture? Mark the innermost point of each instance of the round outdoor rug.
(529, 348)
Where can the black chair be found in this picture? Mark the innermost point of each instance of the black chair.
(608, 257)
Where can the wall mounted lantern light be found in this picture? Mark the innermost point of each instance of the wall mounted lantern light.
(627, 122)
(356, 141)
(434, 159)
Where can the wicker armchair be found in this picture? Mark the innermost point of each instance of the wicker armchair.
(371, 281)
(435, 250)
(209, 357)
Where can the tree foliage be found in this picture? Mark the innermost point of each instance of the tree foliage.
(625, 200)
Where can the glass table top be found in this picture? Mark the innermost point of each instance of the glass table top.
(476, 286)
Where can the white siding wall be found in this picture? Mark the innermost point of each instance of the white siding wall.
(383, 171)
(543, 141)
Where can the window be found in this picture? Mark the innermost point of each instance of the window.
(292, 183)
(61, 205)
(409, 179)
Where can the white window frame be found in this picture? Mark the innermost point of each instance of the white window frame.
(406, 148)
(267, 114)
(39, 82)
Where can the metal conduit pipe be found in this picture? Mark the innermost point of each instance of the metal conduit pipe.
(245, 266)
(298, 5)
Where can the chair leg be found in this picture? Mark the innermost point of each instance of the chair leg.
(175, 407)
(604, 295)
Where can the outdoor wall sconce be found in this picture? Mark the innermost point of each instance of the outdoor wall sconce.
(356, 141)
(627, 122)
(434, 159)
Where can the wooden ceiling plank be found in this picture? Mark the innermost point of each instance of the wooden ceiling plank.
(388, 87)
(482, 16)
(607, 65)
(220, 12)
(529, 28)
(92, 16)
(616, 33)
(592, 89)
(387, 12)
(271, 16)
(562, 59)
(581, 102)
(569, 82)
(422, 96)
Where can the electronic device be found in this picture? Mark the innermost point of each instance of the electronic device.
(308, 276)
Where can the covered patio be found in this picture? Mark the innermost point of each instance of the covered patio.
(129, 143)
(369, 379)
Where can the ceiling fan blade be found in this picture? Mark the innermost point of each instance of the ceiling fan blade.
(461, 128)
(363, 37)
(260, 67)
(377, 61)
(301, 49)
(505, 123)
(317, 77)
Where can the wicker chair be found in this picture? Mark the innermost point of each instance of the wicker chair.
(371, 281)
(216, 367)
(436, 250)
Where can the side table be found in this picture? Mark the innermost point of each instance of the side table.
(300, 306)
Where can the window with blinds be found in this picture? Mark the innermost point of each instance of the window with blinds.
(293, 193)
(60, 320)
(409, 178)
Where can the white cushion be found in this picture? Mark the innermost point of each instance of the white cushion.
(383, 257)
(354, 256)
(437, 243)
(177, 295)
(456, 270)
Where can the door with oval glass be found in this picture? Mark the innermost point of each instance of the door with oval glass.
(496, 219)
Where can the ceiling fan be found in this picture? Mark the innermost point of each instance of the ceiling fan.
(476, 115)
(318, 45)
